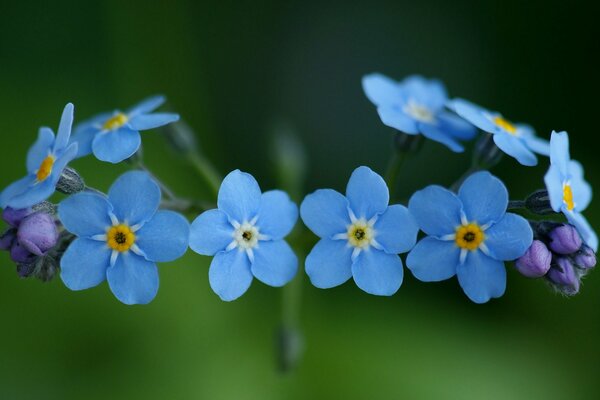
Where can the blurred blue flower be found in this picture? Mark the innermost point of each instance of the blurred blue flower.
(568, 191)
(516, 140)
(416, 105)
(46, 160)
(120, 238)
(114, 137)
(470, 235)
(361, 235)
(245, 236)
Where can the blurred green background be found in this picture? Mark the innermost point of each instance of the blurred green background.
(233, 70)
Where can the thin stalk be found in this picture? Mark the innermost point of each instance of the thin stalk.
(393, 170)
(206, 170)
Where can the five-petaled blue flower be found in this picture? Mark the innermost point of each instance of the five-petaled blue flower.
(517, 140)
(470, 235)
(361, 235)
(120, 238)
(416, 105)
(568, 191)
(114, 137)
(245, 234)
(46, 160)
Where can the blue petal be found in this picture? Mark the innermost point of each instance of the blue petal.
(396, 230)
(275, 263)
(64, 128)
(377, 272)
(229, 274)
(239, 196)
(116, 146)
(433, 260)
(534, 143)
(32, 195)
(554, 184)
(436, 209)
(329, 263)
(84, 264)
(15, 189)
(135, 197)
(165, 237)
(559, 151)
(484, 198)
(397, 119)
(582, 191)
(481, 277)
(40, 149)
(430, 93)
(367, 193)
(584, 228)
(145, 106)
(325, 212)
(85, 214)
(151, 121)
(514, 147)
(85, 132)
(437, 134)
(211, 232)
(509, 238)
(456, 126)
(277, 214)
(133, 280)
(474, 114)
(381, 90)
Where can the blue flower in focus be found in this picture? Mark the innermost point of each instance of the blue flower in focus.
(114, 137)
(568, 191)
(470, 235)
(120, 238)
(361, 235)
(516, 140)
(245, 236)
(416, 105)
(46, 160)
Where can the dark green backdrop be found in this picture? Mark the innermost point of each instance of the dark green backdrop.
(232, 69)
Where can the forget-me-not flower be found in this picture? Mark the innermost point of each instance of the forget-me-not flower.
(416, 105)
(114, 137)
(568, 191)
(470, 235)
(120, 238)
(245, 236)
(517, 140)
(361, 236)
(46, 160)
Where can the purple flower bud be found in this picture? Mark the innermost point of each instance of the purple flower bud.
(564, 239)
(20, 254)
(7, 239)
(586, 258)
(563, 274)
(38, 233)
(535, 263)
(14, 217)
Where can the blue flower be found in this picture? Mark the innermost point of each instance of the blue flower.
(361, 235)
(114, 137)
(416, 105)
(245, 234)
(470, 235)
(516, 140)
(120, 238)
(568, 191)
(46, 160)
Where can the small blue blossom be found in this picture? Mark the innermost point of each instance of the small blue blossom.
(470, 235)
(361, 235)
(120, 238)
(114, 137)
(245, 236)
(517, 140)
(568, 191)
(416, 105)
(46, 160)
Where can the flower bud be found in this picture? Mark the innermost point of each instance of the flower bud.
(536, 261)
(585, 258)
(7, 239)
(20, 254)
(564, 239)
(181, 137)
(24, 270)
(563, 275)
(37, 233)
(486, 153)
(538, 203)
(14, 217)
(70, 182)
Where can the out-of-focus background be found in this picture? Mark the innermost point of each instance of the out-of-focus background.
(234, 70)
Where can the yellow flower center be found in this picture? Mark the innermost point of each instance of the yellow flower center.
(360, 234)
(504, 124)
(469, 236)
(120, 238)
(115, 122)
(45, 168)
(568, 197)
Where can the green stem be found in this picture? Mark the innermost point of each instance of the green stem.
(393, 170)
(206, 170)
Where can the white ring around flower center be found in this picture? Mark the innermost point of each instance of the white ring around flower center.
(419, 112)
(246, 236)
